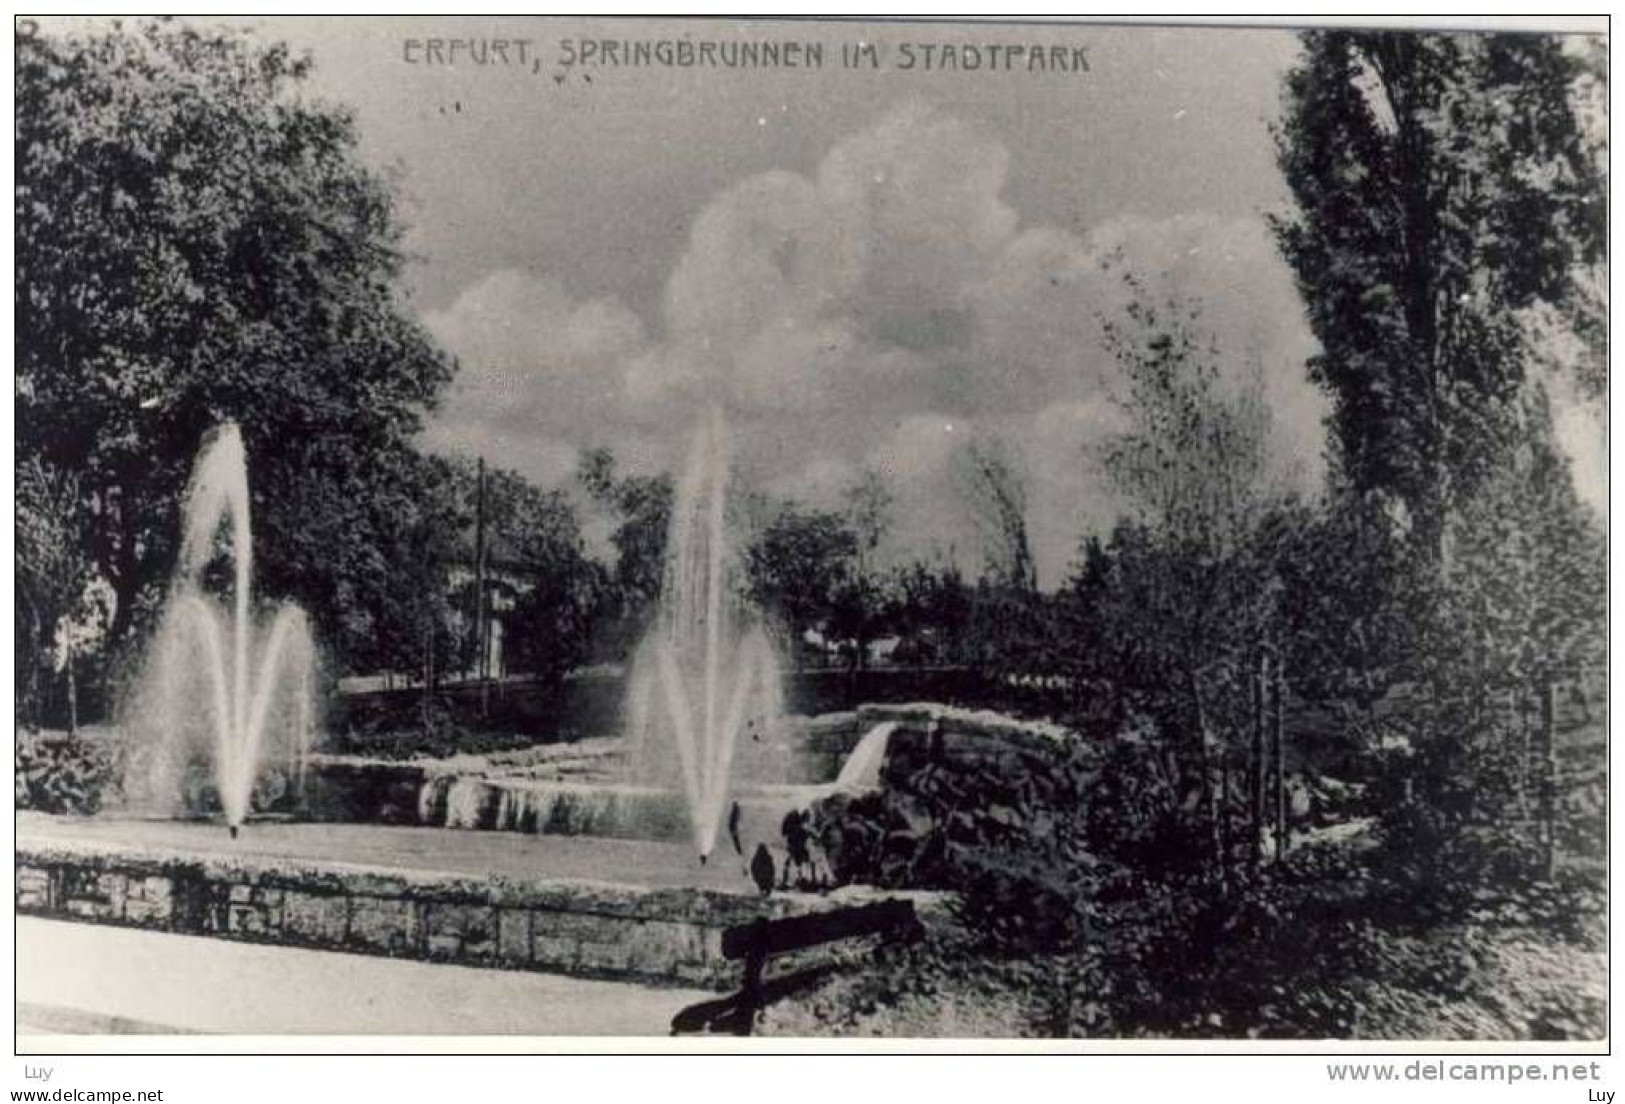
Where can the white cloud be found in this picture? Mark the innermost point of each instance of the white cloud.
(852, 315)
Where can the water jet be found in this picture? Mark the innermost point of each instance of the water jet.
(220, 685)
(707, 672)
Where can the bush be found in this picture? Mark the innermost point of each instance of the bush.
(58, 773)
(1144, 814)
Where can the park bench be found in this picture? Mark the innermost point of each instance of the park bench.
(758, 941)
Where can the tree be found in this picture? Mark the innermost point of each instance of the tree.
(799, 565)
(643, 504)
(1448, 241)
(197, 242)
(52, 572)
(933, 609)
(861, 604)
(1443, 188)
(536, 554)
(995, 487)
(1192, 465)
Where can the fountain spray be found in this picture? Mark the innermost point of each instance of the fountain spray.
(707, 669)
(246, 678)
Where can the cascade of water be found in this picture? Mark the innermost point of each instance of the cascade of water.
(861, 771)
(204, 691)
(707, 672)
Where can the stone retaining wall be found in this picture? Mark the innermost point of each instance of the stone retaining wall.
(491, 790)
(671, 936)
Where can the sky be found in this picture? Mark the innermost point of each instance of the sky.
(865, 268)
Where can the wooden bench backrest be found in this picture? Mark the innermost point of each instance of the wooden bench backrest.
(770, 937)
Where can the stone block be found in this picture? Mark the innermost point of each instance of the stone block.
(572, 925)
(315, 918)
(461, 930)
(553, 952)
(247, 919)
(656, 946)
(387, 924)
(155, 888)
(513, 934)
(147, 912)
(33, 887)
(610, 956)
(89, 908)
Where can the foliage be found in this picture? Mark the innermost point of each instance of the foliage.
(799, 564)
(51, 570)
(1443, 185)
(197, 241)
(536, 564)
(61, 774)
(1349, 599)
(994, 484)
(933, 610)
(643, 506)
(1006, 832)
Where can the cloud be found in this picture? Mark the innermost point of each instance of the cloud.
(535, 366)
(877, 311)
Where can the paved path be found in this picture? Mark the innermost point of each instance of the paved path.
(639, 863)
(85, 978)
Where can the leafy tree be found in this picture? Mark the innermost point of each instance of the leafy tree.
(1448, 241)
(1443, 186)
(535, 554)
(994, 484)
(404, 620)
(52, 572)
(933, 610)
(799, 565)
(197, 241)
(643, 505)
(1347, 616)
(861, 604)
(1191, 591)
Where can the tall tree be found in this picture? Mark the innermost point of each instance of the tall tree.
(51, 575)
(994, 483)
(537, 565)
(868, 502)
(198, 241)
(642, 505)
(1192, 466)
(1443, 186)
(799, 565)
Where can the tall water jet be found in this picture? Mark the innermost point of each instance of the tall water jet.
(220, 687)
(705, 681)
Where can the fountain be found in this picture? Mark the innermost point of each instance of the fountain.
(707, 741)
(704, 687)
(219, 685)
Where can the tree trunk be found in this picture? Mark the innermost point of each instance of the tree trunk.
(1210, 802)
(428, 670)
(1526, 729)
(1257, 789)
(1278, 739)
(1548, 774)
(73, 687)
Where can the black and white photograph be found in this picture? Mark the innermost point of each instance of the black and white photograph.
(703, 534)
